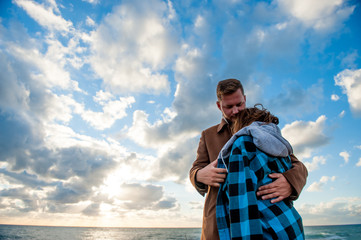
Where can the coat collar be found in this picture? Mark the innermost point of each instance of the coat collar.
(222, 125)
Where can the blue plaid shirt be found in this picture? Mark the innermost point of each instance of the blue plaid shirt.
(240, 213)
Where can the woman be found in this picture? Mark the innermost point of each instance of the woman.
(256, 150)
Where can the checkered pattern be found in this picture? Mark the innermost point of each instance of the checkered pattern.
(240, 214)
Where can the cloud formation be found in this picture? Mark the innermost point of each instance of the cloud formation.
(133, 45)
(358, 164)
(101, 113)
(335, 97)
(318, 186)
(345, 155)
(45, 16)
(137, 196)
(347, 210)
(112, 110)
(350, 82)
(315, 164)
(322, 16)
(296, 100)
(306, 137)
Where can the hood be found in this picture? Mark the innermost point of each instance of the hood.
(266, 136)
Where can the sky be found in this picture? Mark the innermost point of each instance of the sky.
(102, 103)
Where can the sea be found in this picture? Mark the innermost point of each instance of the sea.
(14, 232)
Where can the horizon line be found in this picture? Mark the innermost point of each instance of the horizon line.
(64, 226)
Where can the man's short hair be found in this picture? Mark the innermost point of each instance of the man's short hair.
(227, 87)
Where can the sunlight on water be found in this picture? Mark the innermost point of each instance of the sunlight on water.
(140, 233)
(10, 232)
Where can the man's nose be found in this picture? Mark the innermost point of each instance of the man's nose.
(235, 110)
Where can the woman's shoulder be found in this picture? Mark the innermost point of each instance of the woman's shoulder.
(245, 142)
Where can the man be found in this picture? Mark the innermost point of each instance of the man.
(206, 177)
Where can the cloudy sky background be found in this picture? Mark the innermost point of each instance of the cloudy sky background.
(102, 103)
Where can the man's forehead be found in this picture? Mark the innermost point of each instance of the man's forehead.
(233, 98)
(233, 102)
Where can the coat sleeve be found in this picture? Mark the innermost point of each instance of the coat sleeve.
(201, 161)
(296, 176)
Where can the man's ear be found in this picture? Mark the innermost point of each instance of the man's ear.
(219, 105)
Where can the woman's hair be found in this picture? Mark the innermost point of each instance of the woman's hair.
(249, 115)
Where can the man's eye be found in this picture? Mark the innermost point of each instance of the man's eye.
(239, 104)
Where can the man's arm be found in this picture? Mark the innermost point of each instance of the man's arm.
(296, 176)
(289, 184)
(204, 173)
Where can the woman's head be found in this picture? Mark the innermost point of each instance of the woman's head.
(249, 115)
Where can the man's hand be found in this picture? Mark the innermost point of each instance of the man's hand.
(211, 175)
(279, 189)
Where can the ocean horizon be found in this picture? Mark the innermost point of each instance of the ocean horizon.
(35, 232)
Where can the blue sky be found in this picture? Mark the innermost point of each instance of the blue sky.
(102, 103)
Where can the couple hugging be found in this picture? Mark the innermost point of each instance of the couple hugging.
(249, 173)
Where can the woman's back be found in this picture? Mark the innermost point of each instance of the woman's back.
(240, 214)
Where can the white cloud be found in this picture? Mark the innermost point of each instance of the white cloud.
(350, 82)
(45, 16)
(196, 205)
(314, 187)
(132, 45)
(13, 94)
(94, 2)
(358, 164)
(30, 78)
(349, 61)
(342, 114)
(175, 146)
(112, 110)
(174, 133)
(306, 137)
(158, 135)
(294, 100)
(47, 71)
(90, 21)
(318, 186)
(66, 165)
(316, 162)
(185, 64)
(137, 196)
(59, 108)
(325, 179)
(200, 21)
(139, 129)
(51, 52)
(175, 161)
(320, 15)
(335, 212)
(345, 155)
(335, 97)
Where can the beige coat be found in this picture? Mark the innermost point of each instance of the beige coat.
(210, 144)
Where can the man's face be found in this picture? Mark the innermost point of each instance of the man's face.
(231, 104)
